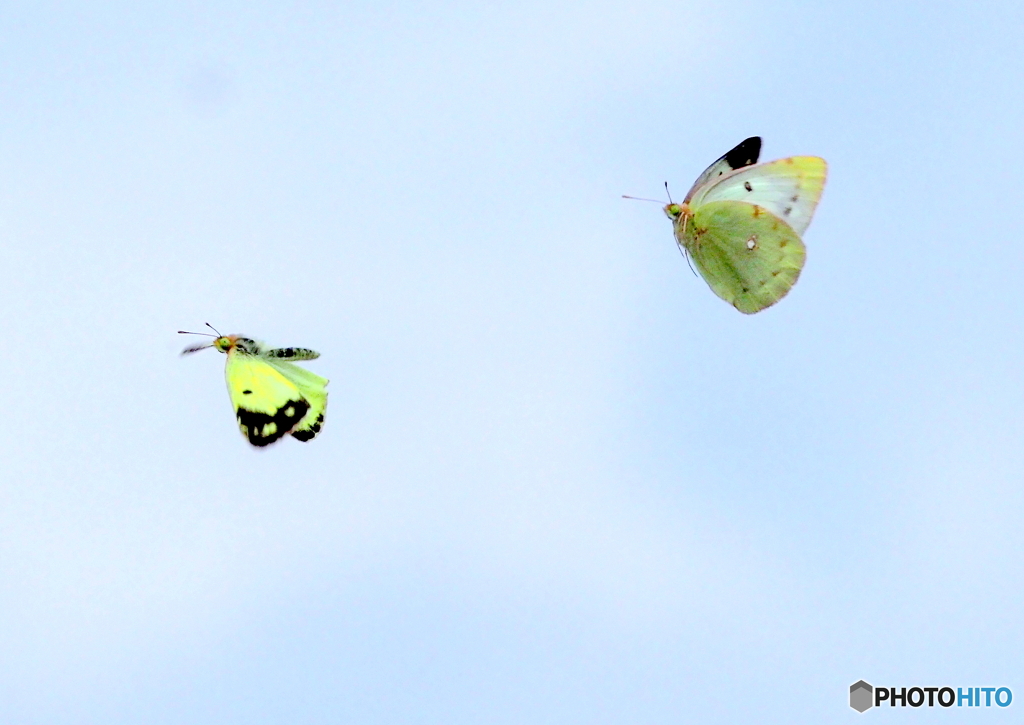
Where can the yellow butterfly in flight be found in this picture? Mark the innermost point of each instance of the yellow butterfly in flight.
(272, 396)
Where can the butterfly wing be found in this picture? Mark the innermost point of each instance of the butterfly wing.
(292, 353)
(788, 188)
(311, 387)
(267, 403)
(747, 255)
(743, 154)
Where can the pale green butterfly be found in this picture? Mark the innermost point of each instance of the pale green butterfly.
(741, 223)
(271, 395)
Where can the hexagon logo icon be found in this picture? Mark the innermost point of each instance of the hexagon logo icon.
(861, 696)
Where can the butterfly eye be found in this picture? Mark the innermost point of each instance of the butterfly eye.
(223, 344)
(673, 211)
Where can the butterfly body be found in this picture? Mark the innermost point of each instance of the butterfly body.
(272, 396)
(741, 224)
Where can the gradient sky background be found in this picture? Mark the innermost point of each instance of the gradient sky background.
(560, 480)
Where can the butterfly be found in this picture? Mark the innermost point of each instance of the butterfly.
(741, 223)
(272, 396)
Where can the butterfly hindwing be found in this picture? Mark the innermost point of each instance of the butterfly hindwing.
(292, 353)
(747, 255)
(788, 188)
(743, 154)
(311, 387)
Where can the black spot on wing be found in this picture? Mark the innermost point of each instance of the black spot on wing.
(309, 434)
(747, 186)
(745, 153)
(262, 429)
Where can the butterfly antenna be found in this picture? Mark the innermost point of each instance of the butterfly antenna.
(669, 194)
(204, 334)
(640, 198)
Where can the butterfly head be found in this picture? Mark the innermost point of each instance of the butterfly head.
(236, 343)
(673, 211)
(223, 343)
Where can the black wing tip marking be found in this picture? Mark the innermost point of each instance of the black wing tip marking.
(311, 432)
(745, 153)
(262, 429)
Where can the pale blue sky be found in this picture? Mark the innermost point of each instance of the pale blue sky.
(560, 481)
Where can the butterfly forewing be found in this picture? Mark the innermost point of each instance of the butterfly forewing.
(788, 188)
(743, 154)
(267, 404)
